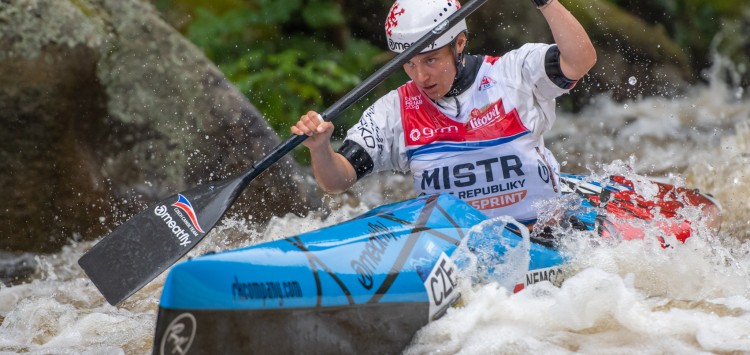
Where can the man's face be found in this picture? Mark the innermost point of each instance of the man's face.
(433, 72)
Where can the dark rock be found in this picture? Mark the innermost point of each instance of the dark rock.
(16, 268)
(107, 109)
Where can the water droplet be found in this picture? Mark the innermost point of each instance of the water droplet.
(625, 106)
(632, 80)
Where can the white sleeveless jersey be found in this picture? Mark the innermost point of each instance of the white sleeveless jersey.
(488, 150)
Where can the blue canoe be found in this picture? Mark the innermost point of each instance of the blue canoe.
(363, 286)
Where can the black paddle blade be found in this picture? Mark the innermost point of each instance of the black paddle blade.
(142, 248)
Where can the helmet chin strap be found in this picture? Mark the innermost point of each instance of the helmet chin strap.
(459, 81)
(458, 85)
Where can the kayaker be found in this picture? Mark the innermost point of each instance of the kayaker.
(470, 125)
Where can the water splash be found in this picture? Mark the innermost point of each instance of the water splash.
(620, 297)
(484, 259)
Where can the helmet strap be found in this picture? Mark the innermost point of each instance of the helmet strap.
(456, 88)
(459, 58)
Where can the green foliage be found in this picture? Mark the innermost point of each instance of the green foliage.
(287, 57)
(323, 14)
(693, 24)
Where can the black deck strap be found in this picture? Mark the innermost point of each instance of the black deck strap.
(545, 237)
(396, 268)
(314, 260)
(600, 221)
(576, 223)
(553, 69)
(358, 157)
(605, 196)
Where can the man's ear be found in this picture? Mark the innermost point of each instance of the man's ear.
(461, 42)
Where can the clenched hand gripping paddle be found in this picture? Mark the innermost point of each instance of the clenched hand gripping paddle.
(140, 249)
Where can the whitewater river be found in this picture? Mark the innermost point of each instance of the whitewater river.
(621, 298)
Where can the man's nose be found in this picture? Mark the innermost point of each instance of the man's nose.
(422, 74)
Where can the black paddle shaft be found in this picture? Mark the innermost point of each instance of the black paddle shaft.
(333, 112)
(146, 245)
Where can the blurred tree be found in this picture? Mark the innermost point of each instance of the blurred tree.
(294, 55)
(287, 56)
(692, 24)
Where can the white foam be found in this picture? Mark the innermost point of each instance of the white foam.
(622, 298)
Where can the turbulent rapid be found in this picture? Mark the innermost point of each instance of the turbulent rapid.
(619, 297)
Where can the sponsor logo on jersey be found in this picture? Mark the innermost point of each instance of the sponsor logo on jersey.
(413, 102)
(415, 134)
(486, 83)
(543, 171)
(498, 201)
(487, 117)
(428, 134)
(369, 131)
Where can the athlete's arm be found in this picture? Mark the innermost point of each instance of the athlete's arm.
(577, 53)
(332, 171)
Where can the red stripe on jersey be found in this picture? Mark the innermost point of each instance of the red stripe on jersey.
(423, 122)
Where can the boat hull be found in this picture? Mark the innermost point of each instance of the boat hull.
(381, 328)
(368, 284)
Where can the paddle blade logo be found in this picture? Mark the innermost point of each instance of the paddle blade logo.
(183, 204)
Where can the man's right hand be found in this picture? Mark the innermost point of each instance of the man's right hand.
(318, 131)
(332, 171)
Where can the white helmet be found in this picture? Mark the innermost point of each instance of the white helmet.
(410, 20)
